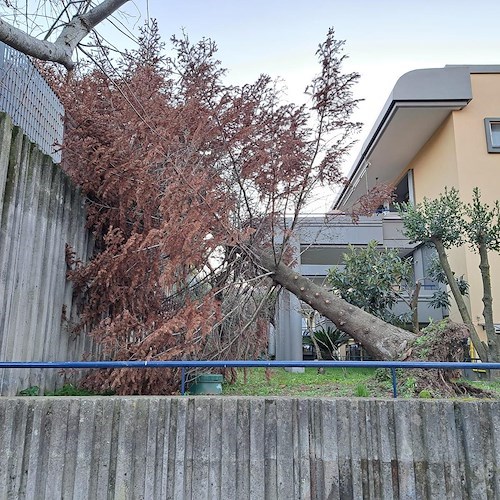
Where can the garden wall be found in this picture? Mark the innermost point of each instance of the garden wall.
(40, 212)
(248, 448)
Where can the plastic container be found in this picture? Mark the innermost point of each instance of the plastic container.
(207, 384)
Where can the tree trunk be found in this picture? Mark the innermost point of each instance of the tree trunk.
(414, 307)
(317, 350)
(493, 338)
(464, 313)
(380, 339)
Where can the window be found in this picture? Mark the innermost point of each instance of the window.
(492, 126)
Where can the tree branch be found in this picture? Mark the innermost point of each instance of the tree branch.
(60, 51)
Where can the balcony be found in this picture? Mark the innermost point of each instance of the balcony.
(323, 240)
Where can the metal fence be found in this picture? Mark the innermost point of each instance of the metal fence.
(30, 102)
(185, 365)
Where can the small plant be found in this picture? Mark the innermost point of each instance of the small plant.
(423, 341)
(409, 386)
(382, 375)
(361, 391)
(71, 390)
(328, 340)
(424, 353)
(425, 394)
(33, 390)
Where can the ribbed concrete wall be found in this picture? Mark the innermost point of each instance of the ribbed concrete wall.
(40, 211)
(248, 448)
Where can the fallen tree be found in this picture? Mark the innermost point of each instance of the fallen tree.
(382, 340)
(188, 183)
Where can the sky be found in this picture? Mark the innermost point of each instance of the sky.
(384, 39)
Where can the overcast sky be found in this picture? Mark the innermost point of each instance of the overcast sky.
(384, 38)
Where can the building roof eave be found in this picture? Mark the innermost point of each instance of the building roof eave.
(420, 101)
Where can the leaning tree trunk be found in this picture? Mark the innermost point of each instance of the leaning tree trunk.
(319, 356)
(464, 313)
(380, 339)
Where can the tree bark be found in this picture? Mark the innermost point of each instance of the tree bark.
(493, 338)
(464, 312)
(380, 339)
(317, 350)
(60, 51)
(414, 307)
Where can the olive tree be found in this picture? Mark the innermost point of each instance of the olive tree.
(447, 222)
(482, 233)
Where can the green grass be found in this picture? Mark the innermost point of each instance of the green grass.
(488, 385)
(65, 390)
(335, 382)
(71, 390)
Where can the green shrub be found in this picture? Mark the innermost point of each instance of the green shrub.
(361, 391)
(328, 339)
(33, 390)
(408, 386)
(425, 394)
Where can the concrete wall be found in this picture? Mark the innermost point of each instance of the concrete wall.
(255, 448)
(40, 212)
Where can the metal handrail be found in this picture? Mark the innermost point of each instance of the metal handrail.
(183, 365)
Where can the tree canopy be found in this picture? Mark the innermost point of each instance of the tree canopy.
(373, 279)
(447, 222)
(189, 181)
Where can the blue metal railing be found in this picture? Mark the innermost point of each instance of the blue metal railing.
(183, 365)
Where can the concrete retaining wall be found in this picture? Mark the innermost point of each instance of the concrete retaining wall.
(40, 211)
(238, 448)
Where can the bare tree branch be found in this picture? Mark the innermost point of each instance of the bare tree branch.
(60, 51)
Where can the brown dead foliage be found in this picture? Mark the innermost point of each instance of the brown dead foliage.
(184, 175)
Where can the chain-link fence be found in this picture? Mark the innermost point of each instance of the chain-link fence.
(29, 101)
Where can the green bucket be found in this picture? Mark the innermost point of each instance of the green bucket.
(207, 384)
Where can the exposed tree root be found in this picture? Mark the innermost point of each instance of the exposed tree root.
(442, 341)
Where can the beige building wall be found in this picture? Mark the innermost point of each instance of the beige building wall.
(435, 165)
(478, 168)
(434, 168)
(456, 155)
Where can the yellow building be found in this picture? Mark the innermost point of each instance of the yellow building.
(439, 128)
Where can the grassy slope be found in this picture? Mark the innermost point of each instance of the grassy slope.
(336, 382)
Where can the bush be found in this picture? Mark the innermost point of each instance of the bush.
(361, 391)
